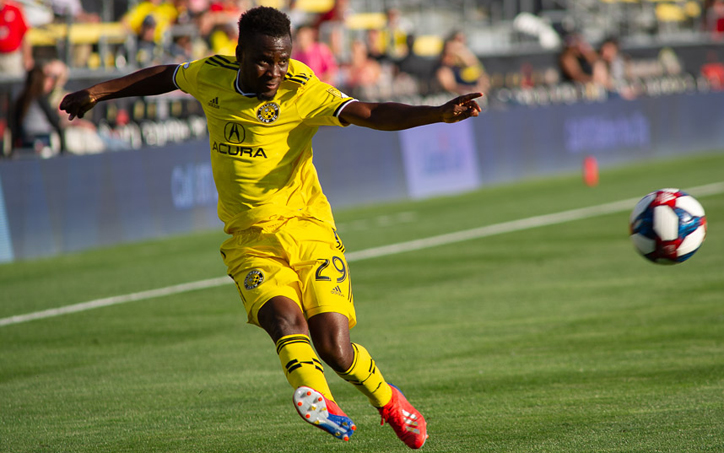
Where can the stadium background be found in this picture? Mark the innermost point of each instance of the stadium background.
(534, 123)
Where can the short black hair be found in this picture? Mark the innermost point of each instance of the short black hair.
(263, 20)
(612, 40)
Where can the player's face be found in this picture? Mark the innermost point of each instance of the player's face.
(264, 62)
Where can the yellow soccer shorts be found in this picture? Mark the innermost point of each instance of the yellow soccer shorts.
(299, 258)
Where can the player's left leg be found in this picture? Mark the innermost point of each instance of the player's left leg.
(353, 363)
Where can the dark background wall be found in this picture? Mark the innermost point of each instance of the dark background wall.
(71, 203)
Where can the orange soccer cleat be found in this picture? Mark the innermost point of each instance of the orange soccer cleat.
(405, 420)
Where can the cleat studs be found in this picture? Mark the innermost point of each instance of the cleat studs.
(312, 406)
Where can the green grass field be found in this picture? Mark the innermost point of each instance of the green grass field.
(552, 339)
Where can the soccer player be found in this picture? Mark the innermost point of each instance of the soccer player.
(262, 109)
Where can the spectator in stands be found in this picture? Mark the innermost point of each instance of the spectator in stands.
(36, 124)
(337, 14)
(220, 14)
(164, 14)
(318, 56)
(715, 18)
(181, 49)
(224, 38)
(78, 137)
(333, 24)
(16, 53)
(230, 6)
(362, 74)
(459, 69)
(184, 14)
(377, 45)
(577, 60)
(197, 7)
(527, 76)
(148, 51)
(73, 8)
(670, 62)
(56, 73)
(395, 34)
(611, 70)
(613, 61)
(713, 71)
(419, 68)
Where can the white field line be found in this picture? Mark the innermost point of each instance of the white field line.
(115, 300)
(375, 252)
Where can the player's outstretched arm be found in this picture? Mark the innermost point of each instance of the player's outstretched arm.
(391, 116)
(145, 82)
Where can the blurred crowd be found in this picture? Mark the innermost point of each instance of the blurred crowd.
(373, 56)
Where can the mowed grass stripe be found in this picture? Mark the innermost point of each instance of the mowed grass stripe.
(374, 252)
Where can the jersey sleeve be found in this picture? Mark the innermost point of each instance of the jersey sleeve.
(186, 76)
(321, 104)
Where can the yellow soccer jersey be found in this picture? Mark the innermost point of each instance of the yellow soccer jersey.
(261, 151)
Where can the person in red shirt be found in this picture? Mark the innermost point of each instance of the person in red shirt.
(715, 18)
(713, 71)
(318, 56)
(15, 51)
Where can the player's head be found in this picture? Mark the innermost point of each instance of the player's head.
(263, 50)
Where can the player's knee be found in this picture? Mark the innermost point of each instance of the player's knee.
(330, 334)
(338, 356)
(281, 317)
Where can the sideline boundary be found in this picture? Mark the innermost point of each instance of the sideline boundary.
(374, 252)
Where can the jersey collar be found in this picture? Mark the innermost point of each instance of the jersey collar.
(237, 86)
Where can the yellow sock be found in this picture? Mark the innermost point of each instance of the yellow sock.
(365, 376)
(301, 364)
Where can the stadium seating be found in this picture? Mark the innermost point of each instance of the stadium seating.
(104, 36)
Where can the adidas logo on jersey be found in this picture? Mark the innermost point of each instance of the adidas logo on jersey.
(214, 103)
(337, 290)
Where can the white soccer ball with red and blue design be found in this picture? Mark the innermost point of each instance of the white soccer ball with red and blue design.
(668, 226)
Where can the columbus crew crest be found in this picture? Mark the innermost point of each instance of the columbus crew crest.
(253, 279)
(268, 113)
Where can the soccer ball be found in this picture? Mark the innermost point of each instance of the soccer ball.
(668, 226)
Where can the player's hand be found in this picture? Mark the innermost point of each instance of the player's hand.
(78, 103)
(461, 108)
